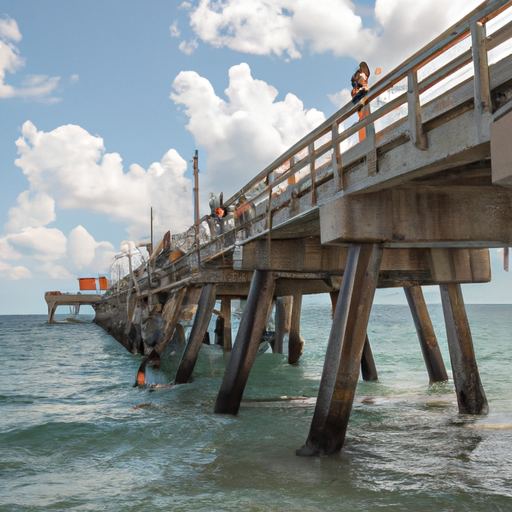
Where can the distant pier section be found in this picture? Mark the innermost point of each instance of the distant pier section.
(75, 300)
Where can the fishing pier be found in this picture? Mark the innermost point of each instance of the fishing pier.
(415, 193)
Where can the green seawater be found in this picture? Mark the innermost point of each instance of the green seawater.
(76, 435)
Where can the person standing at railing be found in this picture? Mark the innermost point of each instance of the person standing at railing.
(359, 82)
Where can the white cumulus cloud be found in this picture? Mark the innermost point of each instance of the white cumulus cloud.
(34, 86)
(84, 252)
(71, 166)
(288, 27)
(31, 212)
(245, 133)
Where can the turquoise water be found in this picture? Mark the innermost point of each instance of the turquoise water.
(76, 435)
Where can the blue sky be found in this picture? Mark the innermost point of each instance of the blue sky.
(102, 105)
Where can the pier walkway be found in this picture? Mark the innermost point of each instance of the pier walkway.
(413, 194)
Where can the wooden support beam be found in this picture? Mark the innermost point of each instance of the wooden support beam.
(225, 309)
(288, 306)
(201, 321)
(426, 216)
(482, 84)
(344, 350)
(368, 368)
(470, 392)
(337, 169)
(294, 340)
(311, 151)
(252, 325)
(417, 132)
(426, 335)
(279, 320)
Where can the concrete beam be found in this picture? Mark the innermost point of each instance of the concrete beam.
(501, 150)
(399, 265)
(421, 217)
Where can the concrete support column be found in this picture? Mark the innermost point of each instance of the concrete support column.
(199, 327)
(344, 351)
(470, 392)
(252, 325)
(426, 335)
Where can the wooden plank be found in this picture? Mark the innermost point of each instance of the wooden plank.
(468, 386)
(311, 150)
(337, 169)
(483, 102)
(345, 347)
(417, 132)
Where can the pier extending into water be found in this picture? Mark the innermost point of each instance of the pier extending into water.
(415, 193)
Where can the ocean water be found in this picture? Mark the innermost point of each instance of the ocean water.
(76, 435)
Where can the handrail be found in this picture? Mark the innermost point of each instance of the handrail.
(485, 12)
(289, 164)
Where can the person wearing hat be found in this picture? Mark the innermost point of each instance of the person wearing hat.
(359, 82)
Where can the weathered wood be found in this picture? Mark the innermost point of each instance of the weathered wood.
(461, 216)
(426, 335)
(288, 306)
(295, 344)
(309, 255)
(470, 392)
(368, 368)
(279, 320)
(345, 347)
(501, 151)
(225, 309)
(449, 266)
(483, 102)
(248, 338)
(336, 159)
(311, 150)
(417, 132)
(199, 327)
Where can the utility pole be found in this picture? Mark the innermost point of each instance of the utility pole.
(196, 189)
(196, 207)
